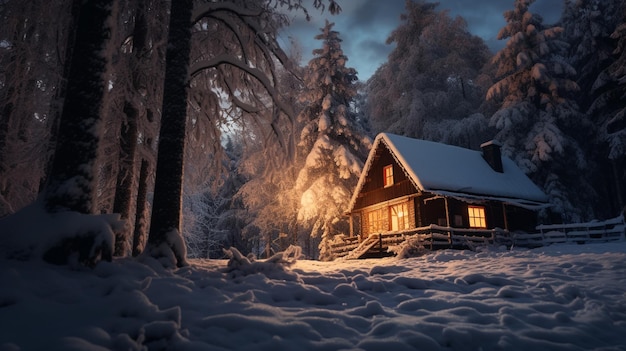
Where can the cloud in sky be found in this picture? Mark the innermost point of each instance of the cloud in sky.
(365, 25)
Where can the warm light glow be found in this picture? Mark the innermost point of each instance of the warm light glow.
(375, 221)
(398, 220)
(308, 205)
(476, 217)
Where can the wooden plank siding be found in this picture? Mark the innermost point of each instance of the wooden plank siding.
(380, 195)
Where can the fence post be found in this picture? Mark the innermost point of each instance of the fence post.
(380, 244)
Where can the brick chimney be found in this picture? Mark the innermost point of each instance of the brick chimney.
(492, 154)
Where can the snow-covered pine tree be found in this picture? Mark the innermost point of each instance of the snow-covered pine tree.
(393, 96)
(538, 122)
(430, 75)
(609, 112)
(587, 28)
(333, 145)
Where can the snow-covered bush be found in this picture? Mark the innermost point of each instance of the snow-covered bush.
(411, 247)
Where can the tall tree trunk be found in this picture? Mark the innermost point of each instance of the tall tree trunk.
(139, 235)
(56, 106)
(71, 181)
(125, 178)
(71, 185)
(165, 240)
(5, 116)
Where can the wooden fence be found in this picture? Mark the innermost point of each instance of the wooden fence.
(580, 233)
(435, 237)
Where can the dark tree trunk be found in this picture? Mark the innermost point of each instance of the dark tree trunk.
(5, 116)
(125, 177)
(56, 108)
(165, 240)
(139, 236)
(70, 185)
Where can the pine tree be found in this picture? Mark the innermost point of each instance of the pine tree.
(430, 75)
(394, 100)
(332, 144)
(538, 122)
(587, 27)
(609, 114)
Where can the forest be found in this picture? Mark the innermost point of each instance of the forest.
(178, 129)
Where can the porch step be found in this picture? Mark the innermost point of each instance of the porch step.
(365, 246)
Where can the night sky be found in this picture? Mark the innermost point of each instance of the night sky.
(364, 26)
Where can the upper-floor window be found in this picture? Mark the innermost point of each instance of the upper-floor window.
(388, 175)
(476, 217)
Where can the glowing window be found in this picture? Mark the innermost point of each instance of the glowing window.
(399, 216)
(375, 221)
(476, 217)
(388, 175)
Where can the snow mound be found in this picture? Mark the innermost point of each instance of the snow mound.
(60, 238)
(275, 266)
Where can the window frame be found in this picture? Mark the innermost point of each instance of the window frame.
(477, 218)
(375, 221)
(388, 176)
(399, 213)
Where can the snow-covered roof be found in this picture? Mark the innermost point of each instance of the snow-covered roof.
(454, 171)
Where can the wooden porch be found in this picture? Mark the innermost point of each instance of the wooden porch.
(432, 237)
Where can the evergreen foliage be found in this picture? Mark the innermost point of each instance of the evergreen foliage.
(332, 143)
(538, 122)
(430, 79)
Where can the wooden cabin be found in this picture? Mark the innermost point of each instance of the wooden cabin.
(409, 184)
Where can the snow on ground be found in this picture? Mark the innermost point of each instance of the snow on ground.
(562, 297)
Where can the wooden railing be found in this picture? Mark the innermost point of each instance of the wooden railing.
(431, 237)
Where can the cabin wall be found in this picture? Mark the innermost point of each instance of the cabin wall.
(426, 210)
(433, 211)
(521, 219)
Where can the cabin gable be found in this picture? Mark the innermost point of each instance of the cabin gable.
(374, 190)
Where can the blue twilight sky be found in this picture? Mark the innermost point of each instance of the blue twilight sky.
(364, 26)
